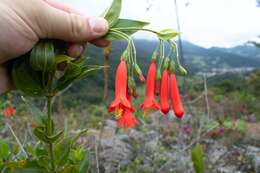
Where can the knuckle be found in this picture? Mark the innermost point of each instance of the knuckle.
(78, 26)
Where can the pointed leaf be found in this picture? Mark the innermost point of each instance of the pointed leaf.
(85, 163)
(197, 158)
(4, 149)
(71, 74)
(40, 134)
(167, 34)
(127, 23)
(113, 13)
(63, 58)
(123, 25)
(89, 71)
(26, 79)
(56, 137)
(62, 151)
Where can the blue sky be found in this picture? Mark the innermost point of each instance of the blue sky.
(223, 23)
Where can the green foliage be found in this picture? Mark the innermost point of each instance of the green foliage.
(113, 12)
(198, 158)
(26, 79)
(167, 34)
(241, 126)
(4, 149)
(42, 56)
(123, 25)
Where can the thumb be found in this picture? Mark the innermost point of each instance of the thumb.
(58, 24)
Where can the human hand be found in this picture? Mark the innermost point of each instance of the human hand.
(22, 24)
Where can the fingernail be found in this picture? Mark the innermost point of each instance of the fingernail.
(98, 25)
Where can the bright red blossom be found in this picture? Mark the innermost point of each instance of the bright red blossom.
(127, 120)
(9, 111)
(150, 101)
(165, 106)
(120, 103)
(175, 97)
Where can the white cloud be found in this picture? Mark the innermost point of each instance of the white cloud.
(203, 22)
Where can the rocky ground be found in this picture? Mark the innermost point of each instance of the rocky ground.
(154, 150)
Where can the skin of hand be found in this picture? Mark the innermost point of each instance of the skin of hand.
(23, 23)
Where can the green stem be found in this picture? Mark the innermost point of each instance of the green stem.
(174, 45)
(161, 53)
(137, 29)
(50, 133)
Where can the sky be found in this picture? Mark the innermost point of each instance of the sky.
(208, 23)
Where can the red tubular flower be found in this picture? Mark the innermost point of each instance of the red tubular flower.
(150, 101)
(127, 120)
(175, 97)
(9, 111)
(120, 102)
(165, 106)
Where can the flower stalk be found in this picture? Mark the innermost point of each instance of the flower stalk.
(50, 129)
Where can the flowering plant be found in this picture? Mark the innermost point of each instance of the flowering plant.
(37, 74)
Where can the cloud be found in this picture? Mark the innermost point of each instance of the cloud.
(203, 22)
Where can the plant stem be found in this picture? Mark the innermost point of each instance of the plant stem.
(137, 29)
(50, 133)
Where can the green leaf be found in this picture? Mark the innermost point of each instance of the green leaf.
(42, 56)
(69, 169)
(112, 36)
(29, 170)
(40, 134)
(228, 124)
(113, 13)
(80, 61)
(78, 135)
(37, 115)
(62, 151)
(181, 70)
(167, 34)
(40, 151)
(89, 71)
(43, 161)
(55, 137)
(197, 156)
(72, 72)
(62, 58)
(78, 154)
(4, 149)
(26, 79)
(127, 23)
(122, 25)
(241, 125)
(85, 164)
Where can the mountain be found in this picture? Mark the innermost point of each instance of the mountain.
(247, 50)
(201, 59)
